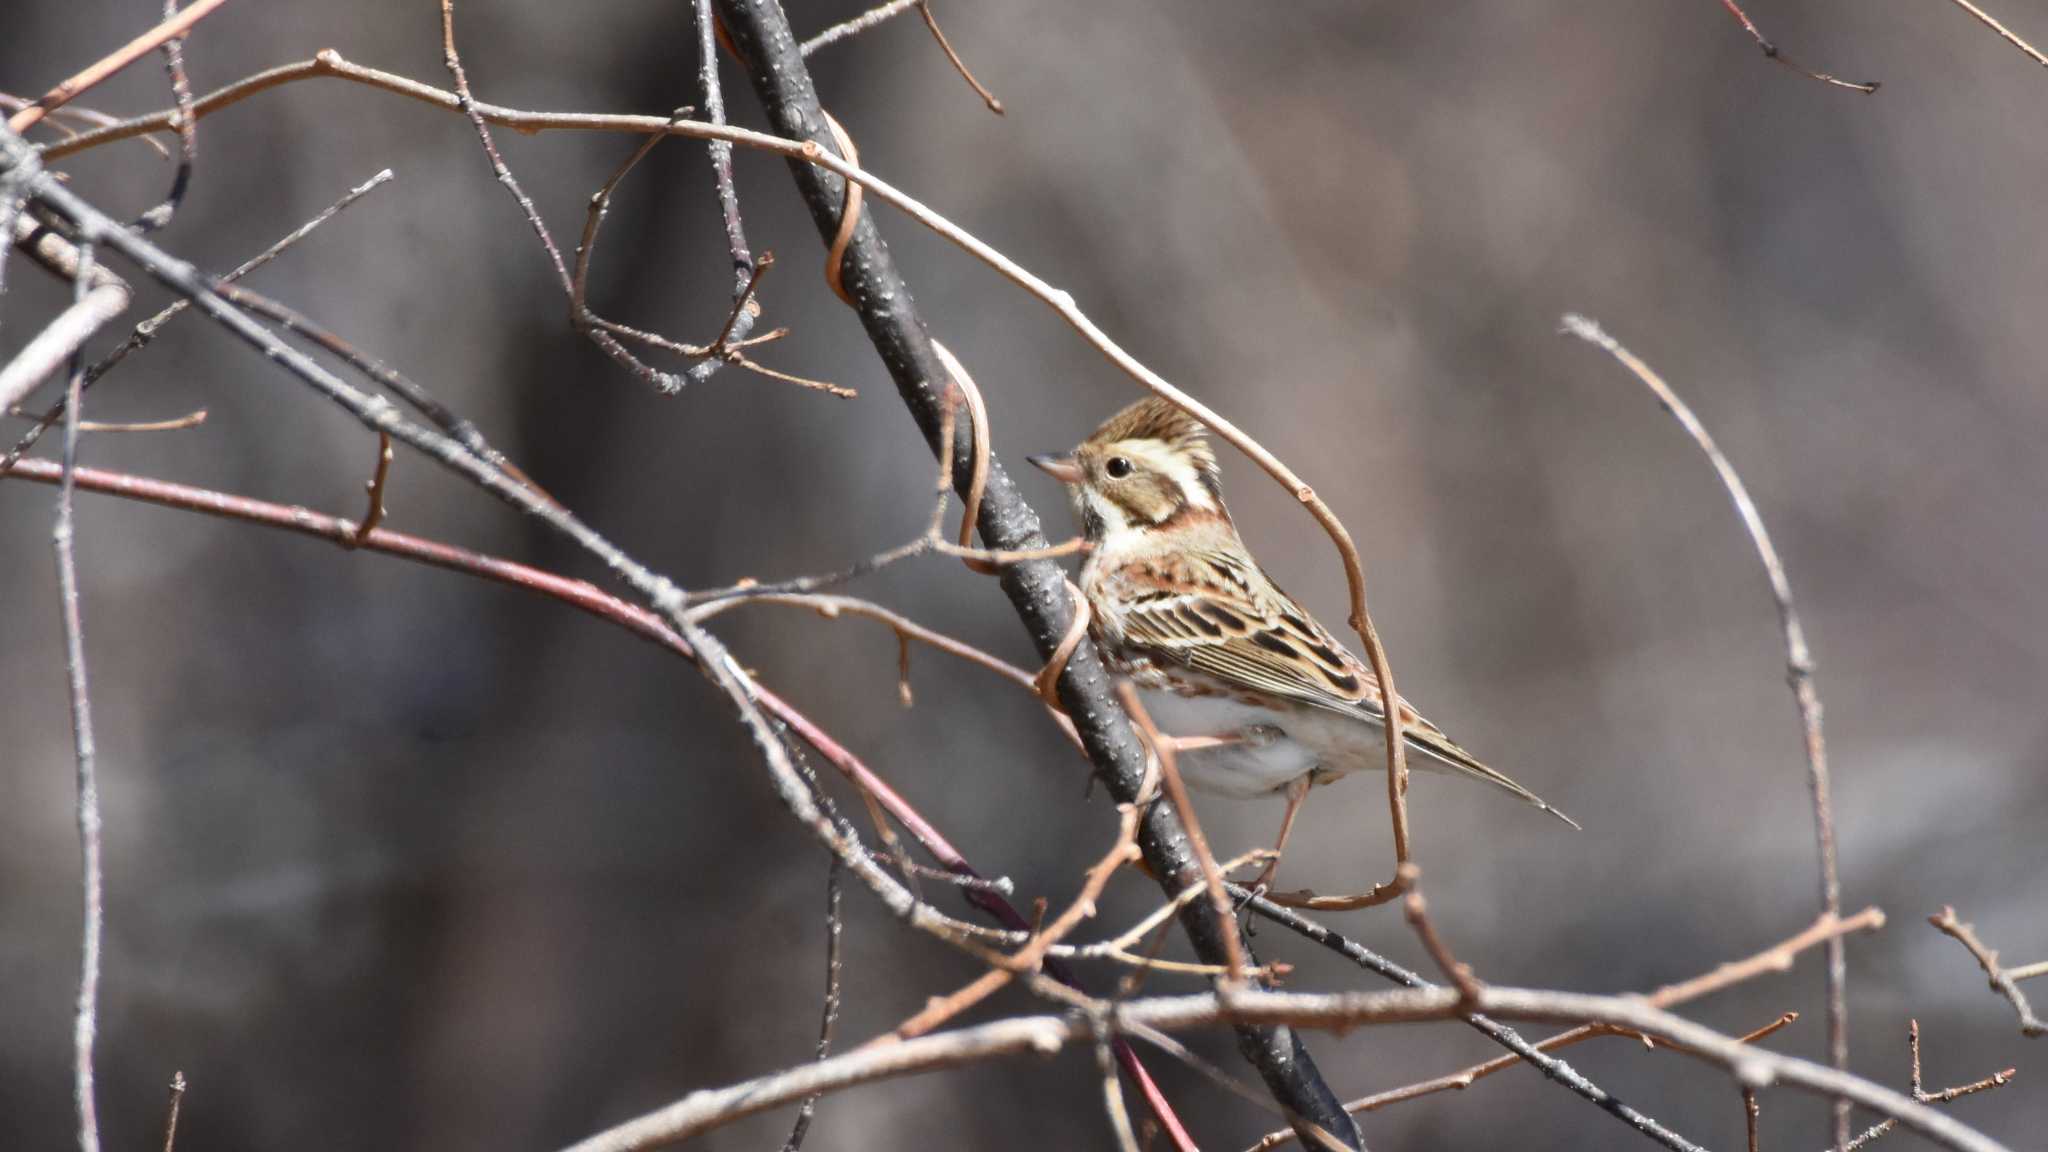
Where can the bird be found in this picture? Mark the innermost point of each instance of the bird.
(1257, 696)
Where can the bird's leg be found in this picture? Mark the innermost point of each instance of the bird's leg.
(1297, 791)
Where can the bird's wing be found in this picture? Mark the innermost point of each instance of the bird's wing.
(1218, 614)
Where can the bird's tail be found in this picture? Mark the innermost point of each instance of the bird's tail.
(1439, 748)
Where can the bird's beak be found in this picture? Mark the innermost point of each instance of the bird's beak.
(1060, 468)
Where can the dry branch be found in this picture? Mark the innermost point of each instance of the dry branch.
(2004, 983)
(1799, 668)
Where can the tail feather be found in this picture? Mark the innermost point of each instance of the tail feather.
(1439, 748)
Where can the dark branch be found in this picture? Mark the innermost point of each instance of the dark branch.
(762, 39)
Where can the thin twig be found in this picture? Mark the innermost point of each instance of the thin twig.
(374, 514)
(830, 1013)
(1771, 52)
(171, 1113)
(1885, 1126)
(745, 272)
(109, 64)
(892, 9)
(188, 135)
(100, 298)
(924, 8)
(1417, 911)
(581, 318)
(857, 25)
(63, 538)
(147, 330)
(1799, 667)
(1774, 959)
(2002, 982)
(468, 104)
(192, 419)
(1044, 1035)
(1177, 794)
(2005, 33)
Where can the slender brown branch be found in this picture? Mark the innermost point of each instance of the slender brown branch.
(1772, 53)
(2002, 982)
(1884, 1127)
(1777, 958)
(1177, 793)
(83, 80)
(374, 514)
(1417, 911)
(2007, 34)
(924, 9)
(1799, 667)
(192, 419)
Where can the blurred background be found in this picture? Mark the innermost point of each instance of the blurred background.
(398, 859)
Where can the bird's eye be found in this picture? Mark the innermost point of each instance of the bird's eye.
(1118, 467)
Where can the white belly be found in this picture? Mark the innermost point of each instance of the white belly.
(1275, 747)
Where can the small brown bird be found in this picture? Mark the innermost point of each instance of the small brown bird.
(1215, 649)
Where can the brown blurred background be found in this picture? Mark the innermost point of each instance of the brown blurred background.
(396, 859)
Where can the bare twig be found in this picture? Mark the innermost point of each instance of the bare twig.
(1417, 910)
(171, 1112)
(101, 297)
(147, 330)
(857, 25)
(1799, 667)
(1885, 1126)
(468, 104)
(374, 514)
(1777, 958)
(602, 332)
(1771, 52)
(924, 8)
(830, 1013)
(892, 9)
(188, 136)
(192, 419)
(1461, 1080)
(2002, 982)
(1774, 959)
(744, 270)
(109, 64)
(2004, 33)
(1177, 793)
(63, 538)
(707, 1109)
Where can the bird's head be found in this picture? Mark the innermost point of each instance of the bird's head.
(1146, 466)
